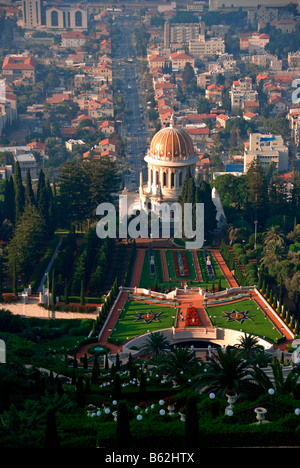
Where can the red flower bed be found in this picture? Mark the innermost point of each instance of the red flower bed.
(192, 318)
(184, 264)
(10, 298)
(176, 264)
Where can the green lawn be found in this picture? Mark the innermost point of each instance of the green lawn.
(171, 269)
(207, 282)
(128, 327)
(192, 280)
(146, 280)
(256, 324)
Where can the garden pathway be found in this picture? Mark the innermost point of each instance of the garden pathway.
(45, 275)
(138, 266)
(226, 272)
(197, 266)
(164, 264)
(103, 339)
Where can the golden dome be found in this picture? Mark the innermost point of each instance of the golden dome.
(171, 143)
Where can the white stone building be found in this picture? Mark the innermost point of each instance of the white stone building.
(267, 149)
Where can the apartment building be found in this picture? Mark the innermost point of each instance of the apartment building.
(200, 47)
(183, 32)
(180, 59)
(242, 92)
(34, 15)
(266, 149)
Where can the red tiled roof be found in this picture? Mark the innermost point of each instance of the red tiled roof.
(19, 63)
(197, 131)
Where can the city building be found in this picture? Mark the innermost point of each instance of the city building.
(8, 106)
(27, 161)
(254, 42)
(212, 46)
(242, 95)
(221, 4)
(38, 15)
(180, 59)
(262, 14)
(34, 15)
(73, 39)
(183, 32)
(16, 67)
(266, 149)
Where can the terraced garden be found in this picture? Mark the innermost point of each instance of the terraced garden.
(181, 269)
(243, 315)
(138, 317)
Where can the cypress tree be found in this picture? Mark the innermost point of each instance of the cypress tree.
(123, 440)
(19, 192)
(29, 194)
(87, 386)
(116, 392)
(53, 293)
(118, 363)
(142, 387)
(1, 275)
(14, 279)
(51, 209)
(66, 296)
(80, 396)
(9, 200)
(52, 438)
(42, 201)
(82, 299)
(191, 429)
(85, 363)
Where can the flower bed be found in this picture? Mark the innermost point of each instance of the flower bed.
(192, 318)
(180, 264)
(71, 308)
(9, 298)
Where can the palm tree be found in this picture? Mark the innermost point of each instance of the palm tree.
(272, 254)
(273, 234)
(262, 382)
(180, 359)
(156, 345)
(249, 344)
(225, 370)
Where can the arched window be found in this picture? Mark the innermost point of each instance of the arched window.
(54, 18)
(180, 179)
(78, 19)
(164, 179)
(172, 179)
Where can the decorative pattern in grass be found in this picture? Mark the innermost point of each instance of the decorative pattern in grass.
(128, 327)
(192, 275)
(259, 325)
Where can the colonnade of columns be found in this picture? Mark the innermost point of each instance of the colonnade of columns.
(167, 177)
